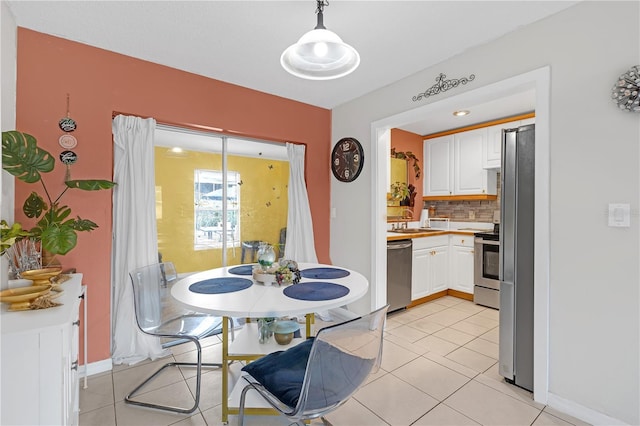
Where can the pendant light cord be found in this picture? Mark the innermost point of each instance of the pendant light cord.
(319, 10)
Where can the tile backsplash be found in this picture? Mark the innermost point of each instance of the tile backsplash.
(458, 211)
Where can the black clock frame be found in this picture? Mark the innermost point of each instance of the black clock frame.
(360, 152)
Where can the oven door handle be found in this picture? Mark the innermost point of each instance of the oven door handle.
(489, 242)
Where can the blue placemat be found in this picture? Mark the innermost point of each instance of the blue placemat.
(242, 270)
(220, 285)
(324, 273)
(316, 290)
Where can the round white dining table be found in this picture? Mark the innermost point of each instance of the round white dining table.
(260, 300)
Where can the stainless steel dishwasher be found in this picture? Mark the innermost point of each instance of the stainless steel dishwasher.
(399, 263)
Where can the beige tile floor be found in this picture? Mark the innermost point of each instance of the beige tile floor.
(439, 367)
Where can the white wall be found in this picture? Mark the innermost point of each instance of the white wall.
(8, 61)
(593, 278)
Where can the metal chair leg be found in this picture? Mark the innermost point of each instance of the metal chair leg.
(199, 364)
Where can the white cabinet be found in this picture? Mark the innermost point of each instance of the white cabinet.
(470, 178)
(454, 166)
(40, 362)
(438, 155)
(491, 149)
(420, 272)
(430, 272)
(461, 256)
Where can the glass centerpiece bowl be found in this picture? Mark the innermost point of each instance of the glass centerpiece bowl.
(266, 255)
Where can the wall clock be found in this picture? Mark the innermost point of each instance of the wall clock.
(347, 159)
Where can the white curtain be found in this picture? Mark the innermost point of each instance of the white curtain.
(135, 241)
(300, 245)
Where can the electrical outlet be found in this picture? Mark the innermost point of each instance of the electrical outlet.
(472, 214)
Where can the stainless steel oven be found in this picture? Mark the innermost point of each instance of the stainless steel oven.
(486, 270)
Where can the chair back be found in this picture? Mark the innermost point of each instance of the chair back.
(152, 297)
(341, 359)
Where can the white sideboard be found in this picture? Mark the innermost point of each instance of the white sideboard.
(39, 364)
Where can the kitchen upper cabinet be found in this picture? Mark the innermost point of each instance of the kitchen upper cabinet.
(491, 150)
(461, 257)
(438, 157)
(470, 177)
(430, 272)
(454, 166)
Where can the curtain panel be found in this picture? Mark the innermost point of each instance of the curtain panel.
(135, 242)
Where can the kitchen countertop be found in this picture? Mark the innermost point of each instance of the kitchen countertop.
(394, 236)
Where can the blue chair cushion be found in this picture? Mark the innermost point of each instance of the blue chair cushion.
(282, 372)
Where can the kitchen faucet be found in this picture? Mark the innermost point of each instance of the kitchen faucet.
(410, 215)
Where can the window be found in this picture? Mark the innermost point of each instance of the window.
(209, 226)
(198, 229)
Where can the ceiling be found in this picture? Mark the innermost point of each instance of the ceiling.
(241, 41)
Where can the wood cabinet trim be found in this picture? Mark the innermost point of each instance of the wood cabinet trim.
(459, 197)
(460, 294)
(426, 299)
(480, 125)
(438, 295)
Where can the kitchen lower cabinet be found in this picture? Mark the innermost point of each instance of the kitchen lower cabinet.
(461, 256)
(430, 272)
(40, 362)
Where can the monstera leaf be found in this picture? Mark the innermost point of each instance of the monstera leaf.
(90, 184)
(83, 224)
(34, 205)
(22, 157)
(59, 238)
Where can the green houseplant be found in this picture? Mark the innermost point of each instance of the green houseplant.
(55, 228)
(399, 191)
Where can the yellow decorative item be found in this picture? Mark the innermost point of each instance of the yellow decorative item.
(41, 276)
(20, 298)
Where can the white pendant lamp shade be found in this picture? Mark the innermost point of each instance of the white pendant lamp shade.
(320, 55)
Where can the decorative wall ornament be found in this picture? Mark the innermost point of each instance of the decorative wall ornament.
(626, 91)
(443, 85)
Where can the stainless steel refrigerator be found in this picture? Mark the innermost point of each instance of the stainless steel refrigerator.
(517, 205)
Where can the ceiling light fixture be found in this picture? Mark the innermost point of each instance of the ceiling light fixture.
(461, 113)
(320, 54)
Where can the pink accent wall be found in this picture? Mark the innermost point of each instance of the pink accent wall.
(101, 82)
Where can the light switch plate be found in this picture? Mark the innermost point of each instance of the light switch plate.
(620, 215)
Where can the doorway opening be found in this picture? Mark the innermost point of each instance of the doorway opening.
(539, 80)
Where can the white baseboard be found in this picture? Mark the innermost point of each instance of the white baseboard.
(580, 412)
(96, 367)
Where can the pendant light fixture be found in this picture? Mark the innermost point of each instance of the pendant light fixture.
(320, 54)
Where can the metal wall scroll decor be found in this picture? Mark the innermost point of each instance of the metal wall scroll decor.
(626, 91)
(442, 85)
